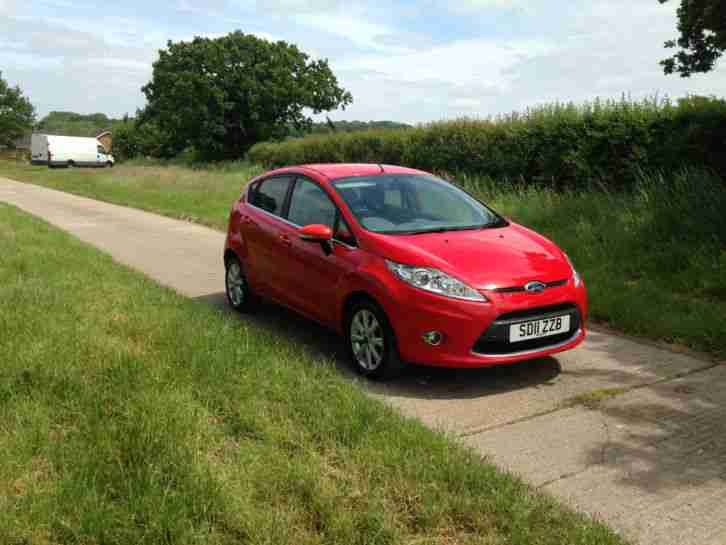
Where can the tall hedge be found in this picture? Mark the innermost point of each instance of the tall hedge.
(560, 145)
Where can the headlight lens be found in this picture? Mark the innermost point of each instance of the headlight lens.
(576, 279)
(435, 281)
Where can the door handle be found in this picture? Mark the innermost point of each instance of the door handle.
(247, 220)
(285, 240)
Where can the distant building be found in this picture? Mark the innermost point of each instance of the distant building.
(106, 139)
(19, 149)
(23, 143)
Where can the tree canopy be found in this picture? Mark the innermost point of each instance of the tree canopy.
(223, 95)
(74, 124)
(702, 40)
(328, 126)
(17, 114)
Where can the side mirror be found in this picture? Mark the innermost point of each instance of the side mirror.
(316, 233)
(322, 234)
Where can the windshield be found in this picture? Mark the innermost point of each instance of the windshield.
(411, 204)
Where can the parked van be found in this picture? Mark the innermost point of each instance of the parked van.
(69, 151)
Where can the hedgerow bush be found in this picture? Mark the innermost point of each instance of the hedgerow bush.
(562, 145)
(133, 140)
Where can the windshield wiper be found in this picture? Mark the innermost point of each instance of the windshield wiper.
(436, 230)
(498, 222)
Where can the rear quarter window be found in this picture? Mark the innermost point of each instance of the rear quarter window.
(269, 195)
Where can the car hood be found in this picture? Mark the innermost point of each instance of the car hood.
(484, 258)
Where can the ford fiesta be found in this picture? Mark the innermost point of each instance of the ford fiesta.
(406, 266)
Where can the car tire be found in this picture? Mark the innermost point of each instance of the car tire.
(71, 164)
(371, 342)
(109, 164)
(239, 295)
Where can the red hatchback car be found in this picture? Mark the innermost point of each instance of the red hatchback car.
(408, 267)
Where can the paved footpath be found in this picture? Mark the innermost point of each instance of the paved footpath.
(651, 461)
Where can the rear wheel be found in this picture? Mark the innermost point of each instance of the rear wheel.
(371, 342)
(239, 295)
(71, 164)
(109, 164)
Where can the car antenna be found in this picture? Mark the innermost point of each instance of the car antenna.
(381, 167)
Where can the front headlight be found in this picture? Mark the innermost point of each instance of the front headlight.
(575, 275)
(435, 281)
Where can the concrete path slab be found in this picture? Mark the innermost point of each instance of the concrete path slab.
(652, 462)
(468, 402)
(647, 461)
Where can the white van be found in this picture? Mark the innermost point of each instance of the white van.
(69, 151)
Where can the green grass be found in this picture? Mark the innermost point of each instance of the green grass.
(130, 414)
(654, 259)
(201, 195)
(594, 398)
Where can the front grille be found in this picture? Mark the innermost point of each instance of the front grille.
(517, 289)
(540, 312)
(495, 340)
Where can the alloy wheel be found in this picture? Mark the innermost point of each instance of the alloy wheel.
(367, 340)
(236, 285)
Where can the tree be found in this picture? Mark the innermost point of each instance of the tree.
(17, 114)
(74, 124)
(223, 95)
(133, 139)
(702, 25)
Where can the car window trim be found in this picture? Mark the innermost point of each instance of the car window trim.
(286, 205)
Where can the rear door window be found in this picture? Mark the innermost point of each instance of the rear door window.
(270, 194)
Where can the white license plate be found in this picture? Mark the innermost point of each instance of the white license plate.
(539, 328)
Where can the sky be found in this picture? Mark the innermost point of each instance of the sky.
(409, 61)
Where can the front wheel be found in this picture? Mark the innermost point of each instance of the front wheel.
(239, 295)
(371, 342)
(109, 164)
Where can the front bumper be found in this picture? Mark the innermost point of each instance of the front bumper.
(477, 334)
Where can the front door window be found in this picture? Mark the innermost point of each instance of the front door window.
(311, 205)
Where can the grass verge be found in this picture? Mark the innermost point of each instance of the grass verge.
(654, 259)
(201, 195)
(129, 414)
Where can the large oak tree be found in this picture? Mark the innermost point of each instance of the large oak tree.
(17, 114)
(223, 95)
(702, 27)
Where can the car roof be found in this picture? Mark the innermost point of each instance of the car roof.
(333, 171)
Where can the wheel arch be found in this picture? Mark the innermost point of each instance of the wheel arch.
(395, 363)
(229, 254)
(355, 297)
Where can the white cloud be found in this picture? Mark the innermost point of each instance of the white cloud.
(478, 61)
(209, 8)
(444, 59)
(483, 6)
(62, 65)
(8, 7)
(361, 32)
(579, 51)
(288, 7)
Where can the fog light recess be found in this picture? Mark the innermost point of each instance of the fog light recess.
(433, 338)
